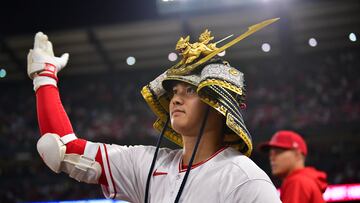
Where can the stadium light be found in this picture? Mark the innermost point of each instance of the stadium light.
(2, 73)
(266, 47)
(352, 37)
(130, 60)
(172, 56)
(312, 42)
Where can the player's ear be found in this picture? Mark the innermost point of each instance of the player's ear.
(303, 157)
(299, 155)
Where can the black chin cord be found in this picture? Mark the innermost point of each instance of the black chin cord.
(154, 160)
(192, 156)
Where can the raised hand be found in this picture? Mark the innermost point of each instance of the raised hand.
(41, 58)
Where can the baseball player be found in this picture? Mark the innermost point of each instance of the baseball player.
(198, 109)
(287, 152)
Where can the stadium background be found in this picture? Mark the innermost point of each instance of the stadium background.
(301, 74)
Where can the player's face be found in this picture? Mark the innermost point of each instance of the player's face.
(282, 161)
(186, 109)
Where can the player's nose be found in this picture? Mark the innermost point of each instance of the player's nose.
(178, 92)
(177, 100)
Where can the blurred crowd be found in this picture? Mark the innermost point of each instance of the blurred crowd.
(316, 96)
(313, 91)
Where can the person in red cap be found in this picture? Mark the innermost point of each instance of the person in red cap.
(287, 152)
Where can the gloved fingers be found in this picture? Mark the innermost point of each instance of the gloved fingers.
(29, 55)
(44, 43)
(39, 41)
(64, 59)
(49, 48)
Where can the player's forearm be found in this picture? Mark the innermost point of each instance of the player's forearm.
(52, 117)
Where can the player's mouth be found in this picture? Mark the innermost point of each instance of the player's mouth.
(177, 112)
(272, 165)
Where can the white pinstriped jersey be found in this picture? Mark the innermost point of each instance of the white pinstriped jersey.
(227, 176)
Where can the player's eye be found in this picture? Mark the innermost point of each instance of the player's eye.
(190, 90)
(174, 91)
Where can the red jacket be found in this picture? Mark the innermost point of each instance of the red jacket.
(303, 186)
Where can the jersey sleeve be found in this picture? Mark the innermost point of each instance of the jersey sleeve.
(126, 170)
(257, 190)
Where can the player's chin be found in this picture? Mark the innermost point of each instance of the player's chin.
(178, 125)
(276, 172)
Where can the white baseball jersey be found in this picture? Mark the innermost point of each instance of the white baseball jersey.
(227, 176)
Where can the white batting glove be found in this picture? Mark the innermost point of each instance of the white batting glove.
(41, 59)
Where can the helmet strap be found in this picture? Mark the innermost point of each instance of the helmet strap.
(154, 159)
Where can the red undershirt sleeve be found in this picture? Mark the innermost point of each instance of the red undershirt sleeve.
(52, 118)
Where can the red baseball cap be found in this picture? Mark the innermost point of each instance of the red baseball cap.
(285, 139)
